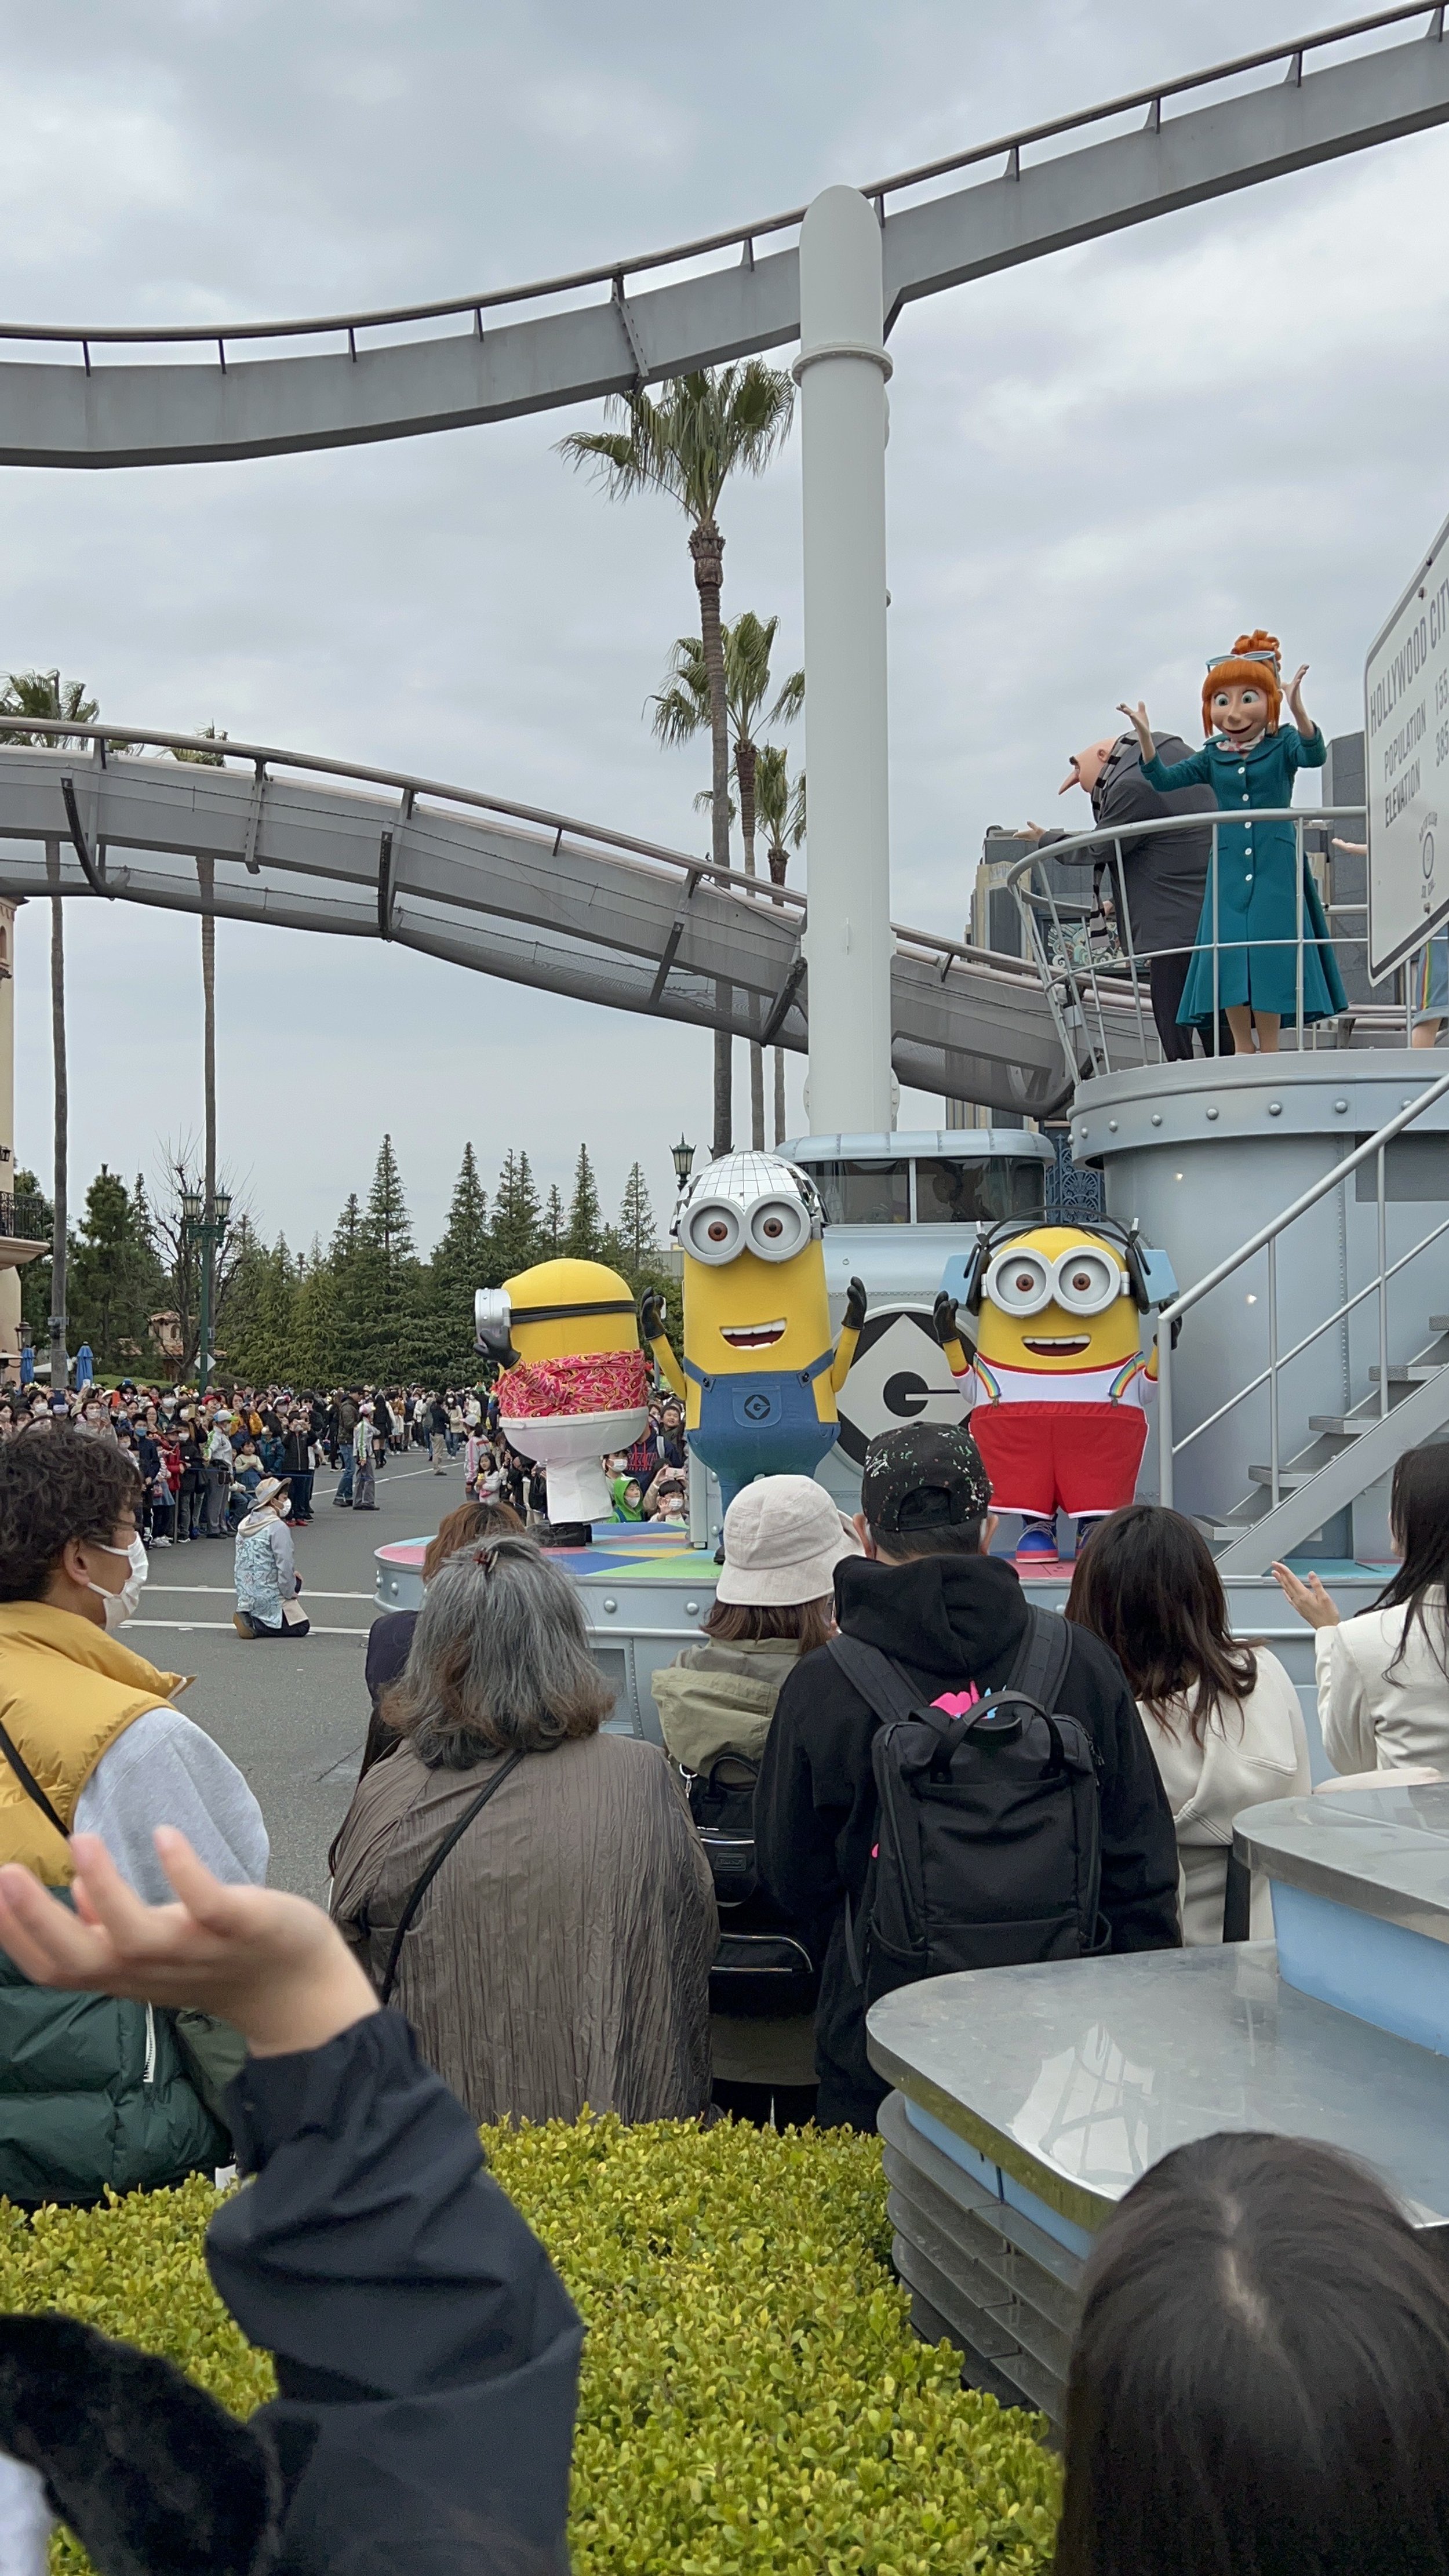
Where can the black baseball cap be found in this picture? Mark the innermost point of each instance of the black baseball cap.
(927, 1475)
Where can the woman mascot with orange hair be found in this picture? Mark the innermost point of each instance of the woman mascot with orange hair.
(1251, 903)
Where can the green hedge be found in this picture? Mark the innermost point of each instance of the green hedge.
(753, 2397)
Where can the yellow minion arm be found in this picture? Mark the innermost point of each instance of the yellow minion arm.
(849, 1334)
(651, 1325)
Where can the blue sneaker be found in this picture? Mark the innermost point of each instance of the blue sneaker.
(1037, 1544)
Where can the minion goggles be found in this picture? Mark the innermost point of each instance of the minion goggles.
(1021, 1280)
(713, 1225)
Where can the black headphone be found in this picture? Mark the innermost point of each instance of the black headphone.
(989, 1239)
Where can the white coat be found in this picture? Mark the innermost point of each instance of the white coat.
(1251, 1751)
(1375, 1721)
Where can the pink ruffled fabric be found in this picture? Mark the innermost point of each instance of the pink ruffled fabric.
(593, 1382)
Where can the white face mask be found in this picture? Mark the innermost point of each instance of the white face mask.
(123, 1605)
(282, 1506)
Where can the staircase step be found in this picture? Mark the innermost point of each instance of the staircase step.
(1343, 1426)
(1289, 1478)
(1414, 1373)
(1439, 1323)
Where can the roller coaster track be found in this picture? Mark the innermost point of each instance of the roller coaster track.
(342, 379)
(506, 889)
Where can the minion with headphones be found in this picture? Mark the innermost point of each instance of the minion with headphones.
(760, 1371)
(1057, 1382)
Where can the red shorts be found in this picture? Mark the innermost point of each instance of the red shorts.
(1073, 1458)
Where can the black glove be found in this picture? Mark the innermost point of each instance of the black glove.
(1175, 1331)
(943, 1316)
(651, 1315)
(855, 1306)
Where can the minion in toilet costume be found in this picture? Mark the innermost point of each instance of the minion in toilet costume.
(1057, 1383)
(760, 1371)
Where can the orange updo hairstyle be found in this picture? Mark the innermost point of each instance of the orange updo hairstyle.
(1237, 671)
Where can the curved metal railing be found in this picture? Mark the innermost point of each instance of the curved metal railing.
(740, 237)
(1097, 977)
(262, 758)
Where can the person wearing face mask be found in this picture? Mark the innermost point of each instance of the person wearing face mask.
(266, 1568)
(99, 2094)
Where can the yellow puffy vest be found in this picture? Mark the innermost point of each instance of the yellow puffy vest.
(67, 1690)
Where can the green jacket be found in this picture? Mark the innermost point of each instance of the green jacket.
(93, 2092)
(717, 1699)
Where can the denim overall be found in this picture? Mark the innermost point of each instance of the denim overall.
(760, 1422)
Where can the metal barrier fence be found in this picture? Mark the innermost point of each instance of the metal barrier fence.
(1098, 978)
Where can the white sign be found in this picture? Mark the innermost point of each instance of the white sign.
(899, 1374)
(1406, 753)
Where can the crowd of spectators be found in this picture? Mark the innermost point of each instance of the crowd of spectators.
(532, 1898)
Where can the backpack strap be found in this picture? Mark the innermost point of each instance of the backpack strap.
(875, 1676)
(433, 1867)
(1042, 1658)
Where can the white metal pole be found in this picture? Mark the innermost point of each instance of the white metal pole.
(841, 372)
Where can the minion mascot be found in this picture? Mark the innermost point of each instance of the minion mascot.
(1057, 1380)
(575, 1383)
(760, 1373)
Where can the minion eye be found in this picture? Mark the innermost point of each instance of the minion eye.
(711, 1231)
(778, 1228)
(1086, 1280)
(1020, 1283)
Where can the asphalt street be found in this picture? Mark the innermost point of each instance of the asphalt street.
(292, 1717)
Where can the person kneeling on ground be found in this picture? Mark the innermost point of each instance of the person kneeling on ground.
(562, 1956)
(267, 1582)
(950, 1619)
(99, 2095)
(1260, 2380)
(774, 1602)
(426, 2351)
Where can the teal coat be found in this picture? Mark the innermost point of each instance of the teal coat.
(93, 2092)
(1256, 899)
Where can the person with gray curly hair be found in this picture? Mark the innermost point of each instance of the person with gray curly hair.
(529, 1890)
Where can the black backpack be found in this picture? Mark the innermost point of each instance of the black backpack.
(762, 1964)
(988, 1853)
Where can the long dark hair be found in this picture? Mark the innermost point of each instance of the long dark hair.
(1260, 2380)
(1146, 1584)
(1419, 1519)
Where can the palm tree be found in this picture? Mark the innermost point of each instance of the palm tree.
(703, 428)
(206, 881)
(781, 807)
(45, 694)
(682, 709)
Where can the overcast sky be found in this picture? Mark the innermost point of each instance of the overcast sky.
(1101, 466)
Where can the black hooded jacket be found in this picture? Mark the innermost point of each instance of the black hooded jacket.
(946, 1620)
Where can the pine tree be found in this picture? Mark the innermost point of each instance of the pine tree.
(516, 1225)
(261, 1311)
(554, 1223)
(347, 1231)
(114, 1272)
(387, 1223)
(584, 1239)
(35, 1277)
(461, 1265)
(638, 1236)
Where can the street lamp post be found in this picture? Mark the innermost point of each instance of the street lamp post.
(204, 1222)
(682, 1157)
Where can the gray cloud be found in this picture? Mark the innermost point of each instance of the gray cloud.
(1100, 467)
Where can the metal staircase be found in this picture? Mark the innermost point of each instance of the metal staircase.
(1348, 1453)
(1290, 1498)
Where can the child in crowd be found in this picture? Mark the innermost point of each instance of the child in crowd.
(246, 1475)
